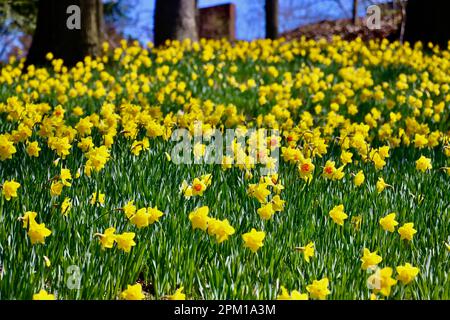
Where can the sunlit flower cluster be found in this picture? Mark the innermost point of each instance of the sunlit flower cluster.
(353, 206)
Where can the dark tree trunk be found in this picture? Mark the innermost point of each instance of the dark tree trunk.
(427, 21)
(355, 12)
(53, 35)
(175, 20)
(92, 33)
(271, 9)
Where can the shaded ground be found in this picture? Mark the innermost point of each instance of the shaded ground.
(390, 29)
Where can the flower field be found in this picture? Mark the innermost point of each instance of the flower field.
(345, 197)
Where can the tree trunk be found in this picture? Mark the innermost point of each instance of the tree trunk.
(426, 21)
(53, 35)
(355, 12)
(175, 20)
(92, 33)
(197, 18)
(271, 9)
